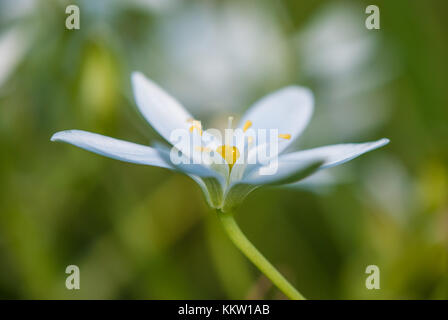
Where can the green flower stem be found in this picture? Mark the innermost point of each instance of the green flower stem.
(248, 249)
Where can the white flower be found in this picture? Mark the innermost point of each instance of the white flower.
(225, 185)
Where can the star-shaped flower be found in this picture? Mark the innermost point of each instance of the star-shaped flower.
(227, 182)
(228, 169)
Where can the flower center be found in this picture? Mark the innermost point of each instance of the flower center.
(229, 153)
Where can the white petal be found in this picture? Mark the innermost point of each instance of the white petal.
(184, 163)
(112, 148)
(334, 154)
(211, 182)
(248, 161)
(288, 110)
(160, 109)
(287, 173)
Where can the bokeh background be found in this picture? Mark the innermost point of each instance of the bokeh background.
(143, 232)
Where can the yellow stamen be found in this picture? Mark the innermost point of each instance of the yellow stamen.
(250, 140)
(229, 153)
(196, 125)
(247, 125)
(286, 136)
(197, 128)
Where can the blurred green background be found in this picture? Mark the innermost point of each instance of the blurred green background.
(143, 232)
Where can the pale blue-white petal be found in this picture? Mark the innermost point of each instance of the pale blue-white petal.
(112, 148)
(184, 163)
(294, 167)
(286, 173)
(160, 109)
(288, 110)
(334, 154)
(249, 159)
(211, 182)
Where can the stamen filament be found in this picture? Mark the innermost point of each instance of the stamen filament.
(229, 122)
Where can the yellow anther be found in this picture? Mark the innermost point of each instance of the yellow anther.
(250, 140)
(197, 128)
(229, 153)
(247, 125)
(286, 136)
(196, 125)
